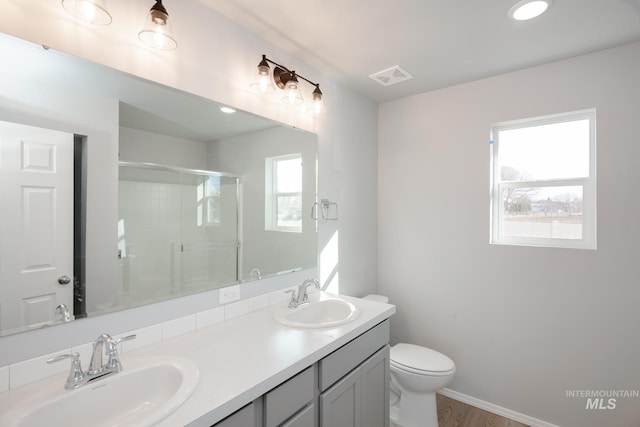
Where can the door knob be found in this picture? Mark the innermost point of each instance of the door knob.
(64, 280)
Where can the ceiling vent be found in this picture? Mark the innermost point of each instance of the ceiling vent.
(391, 76)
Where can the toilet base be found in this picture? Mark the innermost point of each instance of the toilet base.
(394, 416)
(415, 410)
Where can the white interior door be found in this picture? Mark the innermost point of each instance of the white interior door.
(36, 225)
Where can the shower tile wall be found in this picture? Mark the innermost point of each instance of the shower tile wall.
(149, 233)
(177, 233)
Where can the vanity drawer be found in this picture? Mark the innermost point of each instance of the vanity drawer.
(289, 397)
(348, 357)
(245, 417)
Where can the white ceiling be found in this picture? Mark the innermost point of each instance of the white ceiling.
(440, 42)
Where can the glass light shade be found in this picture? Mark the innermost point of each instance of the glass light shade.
(263, 85)
(292, 92)
(317, 107)
(89, 11)
(157, 30)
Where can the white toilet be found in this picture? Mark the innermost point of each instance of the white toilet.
(416, 374)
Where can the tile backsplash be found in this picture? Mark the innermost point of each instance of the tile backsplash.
(34, 369)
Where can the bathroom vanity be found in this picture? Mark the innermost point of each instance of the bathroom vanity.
(334, 376)
(348, 387)
(254, 371)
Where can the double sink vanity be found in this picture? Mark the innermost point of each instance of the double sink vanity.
(321, 362)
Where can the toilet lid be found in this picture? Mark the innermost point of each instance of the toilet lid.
(414, 357)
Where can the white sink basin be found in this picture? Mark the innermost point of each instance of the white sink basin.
(324, 313)
(144, 393)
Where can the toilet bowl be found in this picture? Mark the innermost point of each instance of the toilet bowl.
(416, 374)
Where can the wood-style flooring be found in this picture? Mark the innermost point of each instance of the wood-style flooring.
(452, 413)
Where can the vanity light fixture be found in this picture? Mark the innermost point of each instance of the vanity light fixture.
(263, 85)
(528, 9)
(318, 104)
(89, 11)
(157, 30)
(288, 81)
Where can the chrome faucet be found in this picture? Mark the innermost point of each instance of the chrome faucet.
(255, 274)
(97, 369)
(95, 365)
(62, 310)
(302, 297)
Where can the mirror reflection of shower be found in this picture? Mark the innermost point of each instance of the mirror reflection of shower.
(177, 231)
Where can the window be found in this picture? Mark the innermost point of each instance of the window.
(283, 193)
(208, 199)
(543, 190)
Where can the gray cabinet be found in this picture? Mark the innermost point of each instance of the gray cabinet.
(289, 399)
(245, 417)
(354, 382)
(375, 390)
(361, 398)
(305, 418)
(340, 405)
(351, 355)
(347, 388)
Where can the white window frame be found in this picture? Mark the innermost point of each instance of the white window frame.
(271, 194)
(588, 185)
(206, 202)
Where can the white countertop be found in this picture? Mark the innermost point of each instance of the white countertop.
(241, 359)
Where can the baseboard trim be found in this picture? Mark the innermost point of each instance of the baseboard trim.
(498, 410)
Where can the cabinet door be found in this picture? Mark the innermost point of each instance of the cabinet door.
(245, 417)
(340, 404)
(375, 389)
(306, 418)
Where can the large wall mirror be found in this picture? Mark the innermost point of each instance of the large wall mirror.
(118, 192)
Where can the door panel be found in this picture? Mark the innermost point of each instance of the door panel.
(36, 224)
(39, 234)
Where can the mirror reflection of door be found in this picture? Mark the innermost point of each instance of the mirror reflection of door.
(36, 225)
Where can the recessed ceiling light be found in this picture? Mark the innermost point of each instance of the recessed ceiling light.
(528, 9)
(227, 110)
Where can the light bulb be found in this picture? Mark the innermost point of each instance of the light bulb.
(89, 11)
(263, 85)
(292, 91)
(318, 104)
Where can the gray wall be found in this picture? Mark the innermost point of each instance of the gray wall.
(523, 324)
(270, 251)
